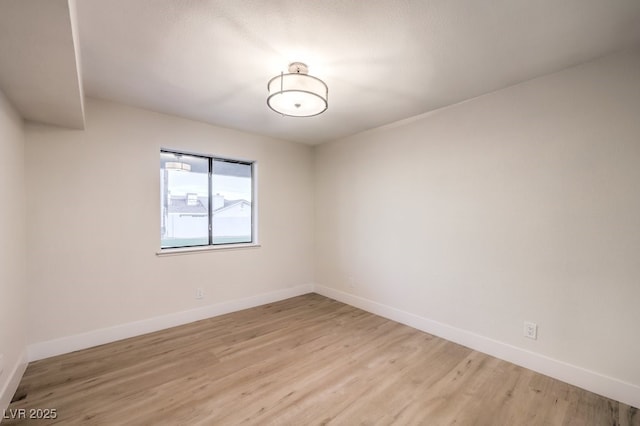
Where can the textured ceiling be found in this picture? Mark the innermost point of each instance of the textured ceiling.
(383, 61)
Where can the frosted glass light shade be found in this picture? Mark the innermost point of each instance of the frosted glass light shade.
(177, 165)
(297, 94)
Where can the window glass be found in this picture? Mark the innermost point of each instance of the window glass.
(184, 199)
(205, 200)
(231, 202)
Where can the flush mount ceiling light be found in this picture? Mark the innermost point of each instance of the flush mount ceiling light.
(297, 94)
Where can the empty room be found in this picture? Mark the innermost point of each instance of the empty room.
(303, 212)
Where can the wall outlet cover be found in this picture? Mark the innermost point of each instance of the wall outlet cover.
(530, 330)
(199, 293)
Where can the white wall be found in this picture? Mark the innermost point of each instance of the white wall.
(13, 277)
(523, 204)
(94, 222)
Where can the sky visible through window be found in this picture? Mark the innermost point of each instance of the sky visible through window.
(230, 187)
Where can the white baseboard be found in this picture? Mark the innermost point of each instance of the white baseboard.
(101, 336)
(594, 382)
(9, 389)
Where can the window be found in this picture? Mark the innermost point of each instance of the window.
(205, 201)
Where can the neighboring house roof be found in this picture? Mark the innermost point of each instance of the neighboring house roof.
(229, 204)
(179, 205)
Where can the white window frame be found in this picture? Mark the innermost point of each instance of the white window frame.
(168, 251)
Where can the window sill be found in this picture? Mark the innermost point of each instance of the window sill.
(190, 250)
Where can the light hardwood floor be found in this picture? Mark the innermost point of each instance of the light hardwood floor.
(305, 360)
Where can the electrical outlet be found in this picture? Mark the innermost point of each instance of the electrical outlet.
(531, 330)
(351, 282)
(199, 293)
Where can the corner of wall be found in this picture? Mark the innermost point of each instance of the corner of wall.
(13, 381)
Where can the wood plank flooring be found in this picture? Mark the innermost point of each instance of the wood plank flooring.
(305, 360)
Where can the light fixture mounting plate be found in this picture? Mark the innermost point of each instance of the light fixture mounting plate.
(298, 68)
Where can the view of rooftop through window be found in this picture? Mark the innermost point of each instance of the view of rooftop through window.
(205, 200)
